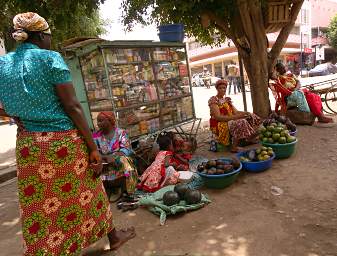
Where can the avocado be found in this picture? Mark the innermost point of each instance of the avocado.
(235, 162)
(211, 163)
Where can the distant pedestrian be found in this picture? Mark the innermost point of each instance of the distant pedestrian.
(233, 78)
(62, 202)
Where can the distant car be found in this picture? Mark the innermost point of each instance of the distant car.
(214, 79)
(198, 79)
(323, 70)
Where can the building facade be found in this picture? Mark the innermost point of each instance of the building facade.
(304, 41)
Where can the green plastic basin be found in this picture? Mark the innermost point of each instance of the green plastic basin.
(222, 180)
(220, 183)
(282, 150)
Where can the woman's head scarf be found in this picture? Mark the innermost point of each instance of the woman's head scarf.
(28, 22)
(108, 115)
(220, 82)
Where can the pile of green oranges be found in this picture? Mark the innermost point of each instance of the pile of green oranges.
(275, 133)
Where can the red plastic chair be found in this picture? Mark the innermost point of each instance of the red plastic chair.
(280, 93)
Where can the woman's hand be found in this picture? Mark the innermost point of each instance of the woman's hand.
(96, 162)
(119, 153)
(108, 159)
(241, 115)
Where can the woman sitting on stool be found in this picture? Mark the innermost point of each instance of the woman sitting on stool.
(114, 146)
(227, 123)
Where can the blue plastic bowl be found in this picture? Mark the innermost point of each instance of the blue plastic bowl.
(259, 166)
(171, 36)
(178, 27)
(219, 181)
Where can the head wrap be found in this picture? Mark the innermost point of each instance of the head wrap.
(108, 115)
(219, 82)
(28, 22)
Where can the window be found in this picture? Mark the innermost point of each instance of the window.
(304, 16)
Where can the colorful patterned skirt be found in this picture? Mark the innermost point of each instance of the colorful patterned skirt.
(244, 128)
(123, 166)
(63, 205)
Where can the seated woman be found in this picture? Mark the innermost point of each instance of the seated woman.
(229, 124)
(298, 98)
(114, 146)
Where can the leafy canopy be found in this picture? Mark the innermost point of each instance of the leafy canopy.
(332, 32)
(188, 12)
(66, 18)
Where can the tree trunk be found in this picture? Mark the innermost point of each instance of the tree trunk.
(257, 71)
(247, 31)
(255, 57)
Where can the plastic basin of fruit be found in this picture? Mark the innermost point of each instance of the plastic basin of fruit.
(282, 150)
(219, 181)
(259, 166)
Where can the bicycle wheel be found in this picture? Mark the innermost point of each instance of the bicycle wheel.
(326, 110)
(331, 99)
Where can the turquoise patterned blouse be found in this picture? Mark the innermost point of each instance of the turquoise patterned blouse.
(28, 78)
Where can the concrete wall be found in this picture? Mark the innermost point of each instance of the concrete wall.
(322, 12)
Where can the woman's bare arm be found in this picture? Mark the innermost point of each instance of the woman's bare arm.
(73, 108)
(221, 118)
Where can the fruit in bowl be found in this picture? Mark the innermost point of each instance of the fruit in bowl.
(256, 155)
(219, 166)
(275, 133)
(276, 118)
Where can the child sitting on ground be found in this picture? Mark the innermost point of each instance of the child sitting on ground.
(181, 153)
(160, 173)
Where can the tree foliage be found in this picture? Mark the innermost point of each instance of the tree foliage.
(212, 21)
(66, 18)
(332, 32)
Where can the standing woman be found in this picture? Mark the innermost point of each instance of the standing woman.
(62, 202)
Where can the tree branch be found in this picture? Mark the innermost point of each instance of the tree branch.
(284, 34)
(247, 23)
(207, 16)
(219, 22)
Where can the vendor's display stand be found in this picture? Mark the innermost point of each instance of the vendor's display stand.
(146, 84)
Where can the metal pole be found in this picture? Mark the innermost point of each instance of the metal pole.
(301, 58)
(242, 79)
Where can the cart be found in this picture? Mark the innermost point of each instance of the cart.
(146, 84)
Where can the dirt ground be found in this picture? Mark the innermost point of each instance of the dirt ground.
(245, 219)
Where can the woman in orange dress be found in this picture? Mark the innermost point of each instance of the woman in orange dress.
(227, 123)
